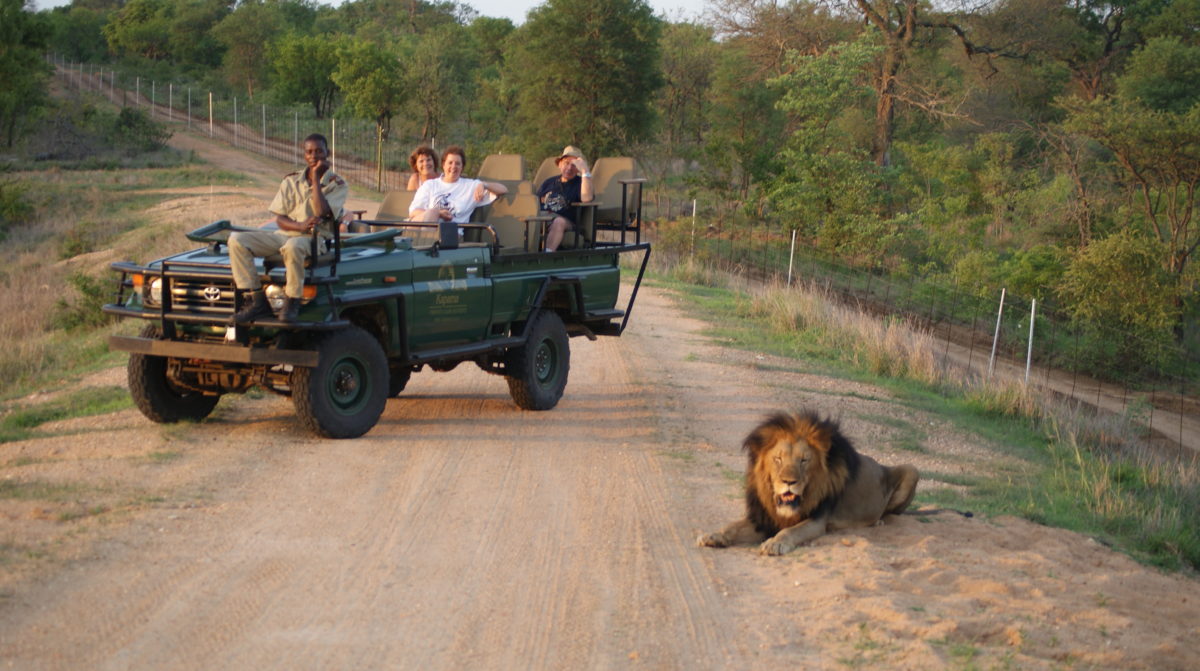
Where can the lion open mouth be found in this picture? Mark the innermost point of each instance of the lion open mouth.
(787, 499)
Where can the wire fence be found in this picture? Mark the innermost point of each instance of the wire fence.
(358, 151)
(1144, 383)
(982, 334)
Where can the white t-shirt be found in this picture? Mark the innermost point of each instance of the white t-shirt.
(458, 197)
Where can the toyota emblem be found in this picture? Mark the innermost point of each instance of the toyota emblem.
(212, 293)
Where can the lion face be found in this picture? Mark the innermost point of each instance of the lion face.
(789, 472)
(789, 463)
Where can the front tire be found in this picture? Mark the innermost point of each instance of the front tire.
(159, 399)
(344, 395)
(537, 371)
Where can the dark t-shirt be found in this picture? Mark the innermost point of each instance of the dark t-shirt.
(561, 195)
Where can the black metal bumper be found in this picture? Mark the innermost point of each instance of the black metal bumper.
(213, 352)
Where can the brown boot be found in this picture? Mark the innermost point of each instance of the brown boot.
(254, 305)
(290, 309)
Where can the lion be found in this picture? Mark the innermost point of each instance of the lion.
(804, 478)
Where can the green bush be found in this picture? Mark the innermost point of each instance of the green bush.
(135, 132)
(84, 311)
(1118, 285)
(15, 207)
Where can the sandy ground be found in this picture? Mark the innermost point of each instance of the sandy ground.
(463, 531)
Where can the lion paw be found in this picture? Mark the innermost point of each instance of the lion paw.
(716, 540)
(775, 547)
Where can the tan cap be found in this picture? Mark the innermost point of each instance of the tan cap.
(570, 150)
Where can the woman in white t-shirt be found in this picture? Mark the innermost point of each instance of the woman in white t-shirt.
(452, 197)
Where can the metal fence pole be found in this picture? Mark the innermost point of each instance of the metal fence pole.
(791, 257)
(1029, 348)
(692, 252)
(996, 336)
(210, 114)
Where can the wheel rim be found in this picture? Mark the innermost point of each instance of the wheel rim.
(545, 362)
(348, 385)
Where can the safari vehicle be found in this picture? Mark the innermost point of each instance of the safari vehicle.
(378, 306)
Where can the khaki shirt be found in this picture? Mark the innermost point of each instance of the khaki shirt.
(294, 198)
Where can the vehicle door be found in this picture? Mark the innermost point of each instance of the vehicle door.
(452, 297)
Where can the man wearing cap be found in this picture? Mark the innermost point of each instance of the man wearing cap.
(559, 194)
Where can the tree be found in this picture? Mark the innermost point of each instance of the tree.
(304, 67)
(741, 145)
(246, 34)
(689, 58)
(586, 74)
(491, 103)
(438, 76)
(372, 81)
(1155, 141)
(78, 33)
(141, 29)
(191, 38)
(23, 37)
(827, 185)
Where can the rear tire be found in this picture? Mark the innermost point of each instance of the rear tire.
(156, 396)
(537, 372)
(343, 396)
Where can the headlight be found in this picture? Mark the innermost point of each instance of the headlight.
(154, 296)
(275, 296)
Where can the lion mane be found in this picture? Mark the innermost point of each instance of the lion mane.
(836, 464)
(803, 478)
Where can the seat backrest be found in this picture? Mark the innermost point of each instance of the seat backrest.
(395, 206)
(508, 169)
(548, 169)
(510, 219)
(607, 174)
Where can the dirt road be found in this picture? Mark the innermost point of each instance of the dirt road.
(463, 532)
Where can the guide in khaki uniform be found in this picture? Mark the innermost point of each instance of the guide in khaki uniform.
(305, 200)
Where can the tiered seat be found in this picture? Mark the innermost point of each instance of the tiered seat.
(618, 197)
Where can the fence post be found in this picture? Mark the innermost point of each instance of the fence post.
(210, 114)
(235, 125)
(791, 257)
(296, 136)
(692, 253)
(264, 130)
(1029, 348)
(996, 335)
(333, 142)
(379, 158)
(189, 113)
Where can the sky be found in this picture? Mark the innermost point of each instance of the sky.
(675, 10)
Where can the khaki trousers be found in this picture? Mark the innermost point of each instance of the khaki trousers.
(244, 246)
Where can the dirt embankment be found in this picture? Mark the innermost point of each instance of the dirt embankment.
(463, 531)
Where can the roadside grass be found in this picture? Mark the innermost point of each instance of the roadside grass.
(1061, 466)
(21, 423)
(51, 288)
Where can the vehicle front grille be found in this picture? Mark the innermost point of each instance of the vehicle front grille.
(202, 296)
